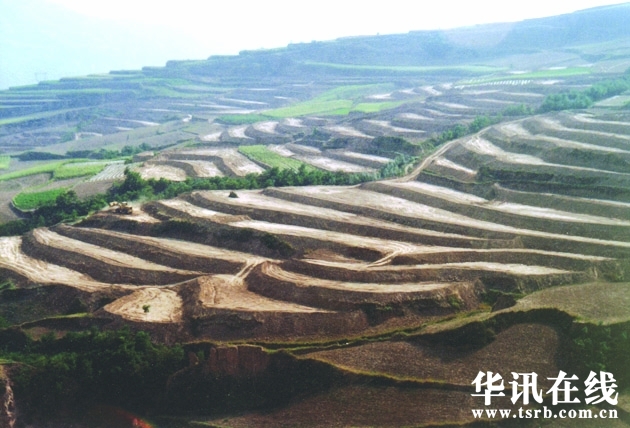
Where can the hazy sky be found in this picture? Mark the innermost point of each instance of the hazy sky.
(48, 39)
(229, 26)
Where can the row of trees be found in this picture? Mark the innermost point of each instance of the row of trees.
(68, 207)
(586, 98)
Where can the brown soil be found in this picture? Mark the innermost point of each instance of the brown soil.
(99, 262)
(600, 302)
(39, 271)
(270, 280)
(164, 306)
(363, 406)
(522, 348)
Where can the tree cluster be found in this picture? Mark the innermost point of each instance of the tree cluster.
(586, 98)
(118, 368)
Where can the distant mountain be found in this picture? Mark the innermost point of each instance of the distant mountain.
(468, 45)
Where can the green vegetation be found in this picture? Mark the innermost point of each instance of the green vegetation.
(602, 348)
(118, 368)
(586, 98)
(376, 107)
(315, 106)
(73, 164)
(29, 201)
(518, 110)
(242, 119)
(60, 170)
(272, 159)
(5, 161)
(66, 207)
(71, 170)
(339, 101)
(126, 151)
(459, 130)
(36, 156)
(7, 284)
(86, 154)
(47, 168)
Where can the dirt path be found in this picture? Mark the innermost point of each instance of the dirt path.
(509, 268)
(428, 161)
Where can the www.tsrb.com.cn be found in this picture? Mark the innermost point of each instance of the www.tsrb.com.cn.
(599, 389)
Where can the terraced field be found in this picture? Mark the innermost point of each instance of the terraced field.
(513, 210)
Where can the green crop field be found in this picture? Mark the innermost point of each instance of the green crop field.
(242, 119)
(339, 101)
(59, 169)
(314, 106)
(262, 154)
(49, 167)
(71, 170)
(29, 201)
(5, 161)
(376, 107)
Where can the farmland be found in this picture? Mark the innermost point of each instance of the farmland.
(358, 265)
(473, 232)
(267, 157)
(29, 201)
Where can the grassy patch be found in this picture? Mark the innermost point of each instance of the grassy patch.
(30, 201)
(71, 170)
(314, 106)
(242, 119)
(5, 161)
(338, 101)
(376, 107)
(49, 167)
(59, 169)
(262, 154)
